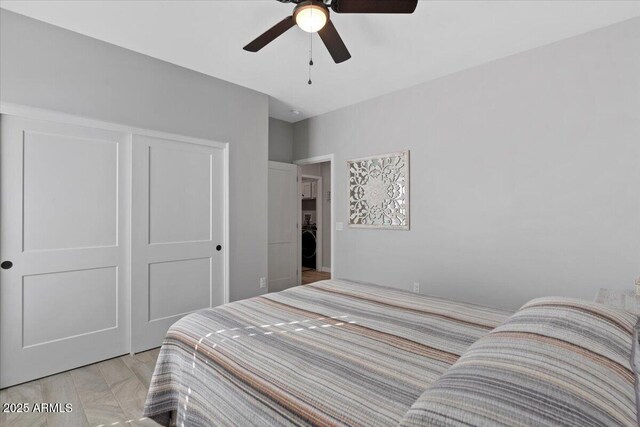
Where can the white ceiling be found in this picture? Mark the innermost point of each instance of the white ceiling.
(390, 52)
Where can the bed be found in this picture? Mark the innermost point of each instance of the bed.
(341, 353)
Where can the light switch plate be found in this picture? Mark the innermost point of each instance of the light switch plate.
(263, 282)
(339, 226)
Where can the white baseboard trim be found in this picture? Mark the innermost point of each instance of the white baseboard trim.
(326, 269)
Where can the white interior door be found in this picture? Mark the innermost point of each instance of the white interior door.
(284, 205)
(64, 201)
(177, 234)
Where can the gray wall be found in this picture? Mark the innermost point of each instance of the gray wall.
(525, 174)
(52, 68)
(280, 141)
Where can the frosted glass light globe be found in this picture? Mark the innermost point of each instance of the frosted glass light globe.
(311, 18)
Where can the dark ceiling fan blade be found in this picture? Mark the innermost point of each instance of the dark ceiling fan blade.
(334, 43)
(270, 35)
(374, 6)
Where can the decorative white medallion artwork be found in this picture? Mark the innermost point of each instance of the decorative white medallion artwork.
(379, 191)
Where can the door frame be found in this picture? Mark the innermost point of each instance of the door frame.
(310, 161)
(29, 112)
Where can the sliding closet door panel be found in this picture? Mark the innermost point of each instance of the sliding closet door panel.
(178, 217)
(50, 302)
(60, 210)
(64, 202)
(179, 195)
(166, 299)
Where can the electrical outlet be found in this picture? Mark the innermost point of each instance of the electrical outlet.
(638, 286)
(263, 282)
(416, 287)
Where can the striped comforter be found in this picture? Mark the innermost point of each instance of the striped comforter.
(333, 353)
(555, 362)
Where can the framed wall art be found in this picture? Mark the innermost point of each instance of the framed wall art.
(379, 191)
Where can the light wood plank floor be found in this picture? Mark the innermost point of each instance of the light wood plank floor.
(310, 276)
(109, 393)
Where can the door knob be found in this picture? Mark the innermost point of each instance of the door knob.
(6, 265)
(218, 248)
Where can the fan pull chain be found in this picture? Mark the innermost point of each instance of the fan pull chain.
(310, 55)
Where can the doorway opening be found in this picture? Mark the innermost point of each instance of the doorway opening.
(315, 214)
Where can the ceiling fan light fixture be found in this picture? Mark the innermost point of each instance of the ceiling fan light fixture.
(311, 16)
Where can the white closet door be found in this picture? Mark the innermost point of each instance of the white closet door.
(284, 205)
(177, 234)
(64, 204)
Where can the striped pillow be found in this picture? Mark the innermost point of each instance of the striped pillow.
(555, 362)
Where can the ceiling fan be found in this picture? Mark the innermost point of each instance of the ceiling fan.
(313, 16)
